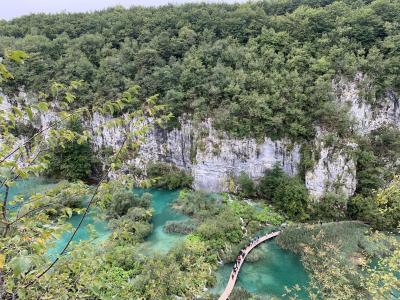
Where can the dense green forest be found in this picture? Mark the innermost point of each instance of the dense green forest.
(256, 68)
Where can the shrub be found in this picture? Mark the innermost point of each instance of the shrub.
(72, 161)
(123, 200)
(184, 227)
(382, 211)
(291, 196)
(331, 207)
(246, 185)
(128, 230)
(270, 181)
(168, 176)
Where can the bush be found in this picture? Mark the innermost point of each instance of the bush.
(74, 161)
(331, 207)
(382, 211)
(184, 227)
(168, 176)
(246, 185)
(223, 228)
(128, 230)
(195, 203)
(123, 200)
(270, 181)
(291, 196)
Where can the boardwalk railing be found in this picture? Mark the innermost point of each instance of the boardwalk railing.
(233, 276)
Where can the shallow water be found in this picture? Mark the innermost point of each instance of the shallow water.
(27, 187)
(267, 277)
(275, 270)
(99, 225)
(160, 241)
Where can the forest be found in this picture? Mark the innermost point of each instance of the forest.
(257, 69)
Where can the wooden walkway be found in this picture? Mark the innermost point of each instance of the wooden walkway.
(233, 276)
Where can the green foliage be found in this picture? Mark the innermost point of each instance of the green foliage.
(117, 201)
(72, 160)
(168, 176)
(307, 159)
(339, 258)
(196, 204)
(223, 228)
(291, 196)
(331, 207)
(239, 293)
(382, 210)
(246, 185)
(28, 226)
(184, 227)
(121, 201)
(271, 181)
(377, 159)
(254, 67)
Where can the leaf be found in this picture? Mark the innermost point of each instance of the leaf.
(17, 56)
(29, 112)
(2, 261)
(69, 97)
(17, 111)
(20, 265)
(43, 106)
(68, 211)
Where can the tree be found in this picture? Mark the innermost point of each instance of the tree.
(270, 182)
(26, 231)
(381, 210)
(291, 196)
(246, 185)
(72, 160)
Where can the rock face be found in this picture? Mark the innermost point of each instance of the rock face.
(213, 158)
(367, 117)
(335, 170)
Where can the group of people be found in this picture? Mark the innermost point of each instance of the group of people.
(242, 254)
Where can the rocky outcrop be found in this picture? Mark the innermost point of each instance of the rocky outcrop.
(213, 158)
(334, 171)
(368, 117)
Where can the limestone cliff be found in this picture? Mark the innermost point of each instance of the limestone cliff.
(212, 157)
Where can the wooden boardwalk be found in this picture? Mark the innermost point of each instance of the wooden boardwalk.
(233, 276)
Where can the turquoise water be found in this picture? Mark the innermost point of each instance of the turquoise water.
(267, 277)
(31, 186)
(160, 241)
(275, 270)
(98, 224)
(27, 187)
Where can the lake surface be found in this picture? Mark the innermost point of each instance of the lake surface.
(160, 241)
(157, 242)
(267, 277)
